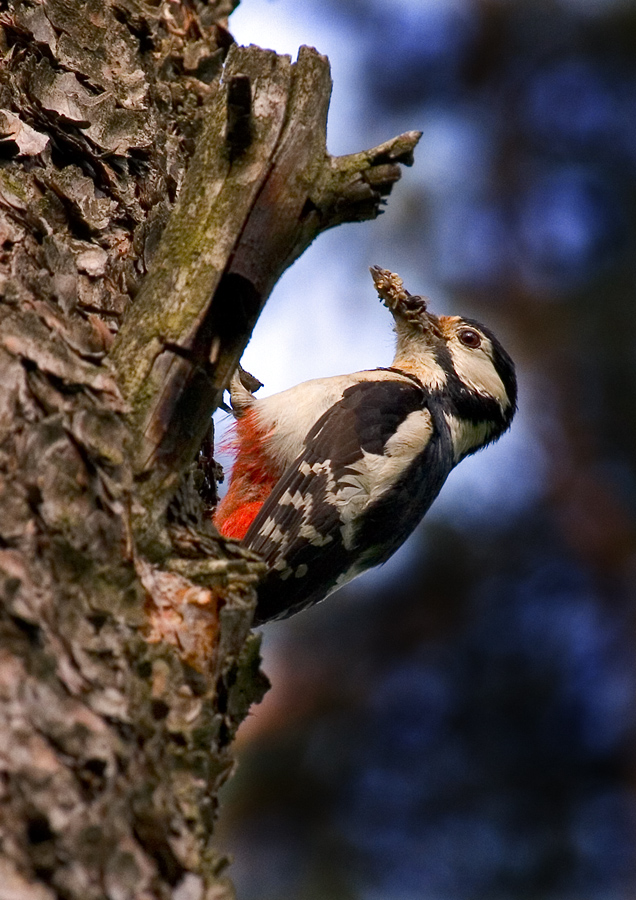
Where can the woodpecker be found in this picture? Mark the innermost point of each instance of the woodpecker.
(332, 476)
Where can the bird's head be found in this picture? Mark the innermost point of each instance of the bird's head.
(458, 360)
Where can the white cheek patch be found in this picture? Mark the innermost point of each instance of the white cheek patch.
(475, 368)
(466, 436)
(373, 475)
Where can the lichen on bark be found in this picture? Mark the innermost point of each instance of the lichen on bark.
(126, 657)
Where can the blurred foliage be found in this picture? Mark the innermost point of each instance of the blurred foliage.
(464, 728)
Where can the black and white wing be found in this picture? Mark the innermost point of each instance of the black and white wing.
(380, 452)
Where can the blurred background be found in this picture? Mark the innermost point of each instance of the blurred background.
(459, 725)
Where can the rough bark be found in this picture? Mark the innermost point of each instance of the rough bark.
(250, 206)
(126, 659)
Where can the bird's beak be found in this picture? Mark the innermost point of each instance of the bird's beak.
(407, 309)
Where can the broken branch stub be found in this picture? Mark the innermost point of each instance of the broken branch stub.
(260, 188)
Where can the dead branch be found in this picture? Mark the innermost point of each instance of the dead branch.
(260, 188)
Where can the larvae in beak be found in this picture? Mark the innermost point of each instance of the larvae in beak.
(407, 309)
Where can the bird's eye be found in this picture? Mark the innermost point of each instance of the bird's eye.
(470, 338)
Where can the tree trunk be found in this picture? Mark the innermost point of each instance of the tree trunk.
(126, 658)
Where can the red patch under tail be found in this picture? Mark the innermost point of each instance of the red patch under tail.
(251, 482)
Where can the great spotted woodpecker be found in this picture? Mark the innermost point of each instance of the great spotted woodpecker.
(332, 476)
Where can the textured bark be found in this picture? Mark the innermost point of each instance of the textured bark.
(126, 659)
(260, 188)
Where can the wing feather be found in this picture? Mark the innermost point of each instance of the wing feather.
(308, 528)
